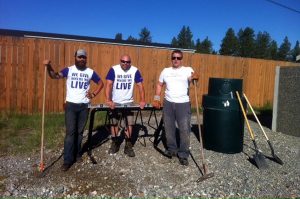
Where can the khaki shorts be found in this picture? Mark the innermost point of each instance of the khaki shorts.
(116, 116)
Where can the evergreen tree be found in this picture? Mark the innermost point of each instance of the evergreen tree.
(296, 50)
(284, 49)
(273, 50)
(198, 46)
(145, 35)
(246, 42)
(131, 38)
(206, 46)
(230, 43)
(262, 44)
(119, 36)
(185, 38)
(174, 42)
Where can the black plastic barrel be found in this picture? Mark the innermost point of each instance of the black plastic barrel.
(223, 122)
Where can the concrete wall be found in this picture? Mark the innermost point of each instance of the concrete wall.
(286, 104)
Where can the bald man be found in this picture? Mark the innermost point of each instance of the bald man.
(120, 82)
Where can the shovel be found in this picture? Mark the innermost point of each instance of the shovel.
(258, 158)
(206, 173)
(275, 157)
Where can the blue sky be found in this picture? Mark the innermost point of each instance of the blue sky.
(164, 18)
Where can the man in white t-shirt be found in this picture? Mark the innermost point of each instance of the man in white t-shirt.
(176, 106)
(77, 99)
(120, 82)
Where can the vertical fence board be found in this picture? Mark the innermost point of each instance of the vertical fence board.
(21, 80)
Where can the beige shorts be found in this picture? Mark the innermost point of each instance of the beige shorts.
(118, 117)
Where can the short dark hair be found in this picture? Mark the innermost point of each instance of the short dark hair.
(178, 52)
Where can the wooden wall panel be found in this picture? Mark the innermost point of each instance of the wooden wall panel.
(21, 80)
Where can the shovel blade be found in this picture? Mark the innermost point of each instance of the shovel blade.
(277, 159)
(260, 160)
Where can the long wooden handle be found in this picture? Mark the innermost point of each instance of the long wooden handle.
(43, 122)
(199, 127)
(256, 117)
(245, 116)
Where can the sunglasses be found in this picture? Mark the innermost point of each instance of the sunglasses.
(125, 62)
(178, 58)
(81, 57)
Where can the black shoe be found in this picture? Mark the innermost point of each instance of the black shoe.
(114, 147)
(184, 161)
(65, 167)
(128, 150)
(170, 154)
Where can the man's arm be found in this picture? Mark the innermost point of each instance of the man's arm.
(52, 74)
(142, 94)
(108, 93)
(159, 86)
(156, 102)
(93, 94)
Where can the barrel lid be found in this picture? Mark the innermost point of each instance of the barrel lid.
(224, 86)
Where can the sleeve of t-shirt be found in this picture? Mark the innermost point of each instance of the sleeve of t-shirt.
(111, 74)
(161, 76)
(95, 77)
(65, 72)
(138, 77)
(192, 71)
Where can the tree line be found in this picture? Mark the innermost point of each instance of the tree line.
(244, 43)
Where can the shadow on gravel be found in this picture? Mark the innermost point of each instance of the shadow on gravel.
(103, 133)
(100, 137)
(198, 167)
(265, 118)
(97, 139)
(48, 168)
(196, 132)
(136, 129)
(250, 157)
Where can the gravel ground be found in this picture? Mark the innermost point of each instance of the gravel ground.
(150, 174)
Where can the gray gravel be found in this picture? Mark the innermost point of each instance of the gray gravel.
(150, 174)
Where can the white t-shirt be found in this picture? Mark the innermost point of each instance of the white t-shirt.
(78, 83)
(177, 83)
(123, 83)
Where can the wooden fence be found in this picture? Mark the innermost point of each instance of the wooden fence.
(21, 77)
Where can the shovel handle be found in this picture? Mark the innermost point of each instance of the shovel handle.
(256, 117)
(245, 116)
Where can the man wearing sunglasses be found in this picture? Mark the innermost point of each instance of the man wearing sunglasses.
(77, 99)
(120, 82)
(176, 106)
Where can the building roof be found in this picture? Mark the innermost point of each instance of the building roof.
(55, 36)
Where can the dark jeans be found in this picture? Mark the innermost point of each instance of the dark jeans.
(179, 113)
(76, 116)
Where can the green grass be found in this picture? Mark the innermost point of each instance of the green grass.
(267, 109)
(99, 119)
(22, 133)
(194, 110)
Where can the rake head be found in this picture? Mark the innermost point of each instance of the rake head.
(42, 167)
(206, 174)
